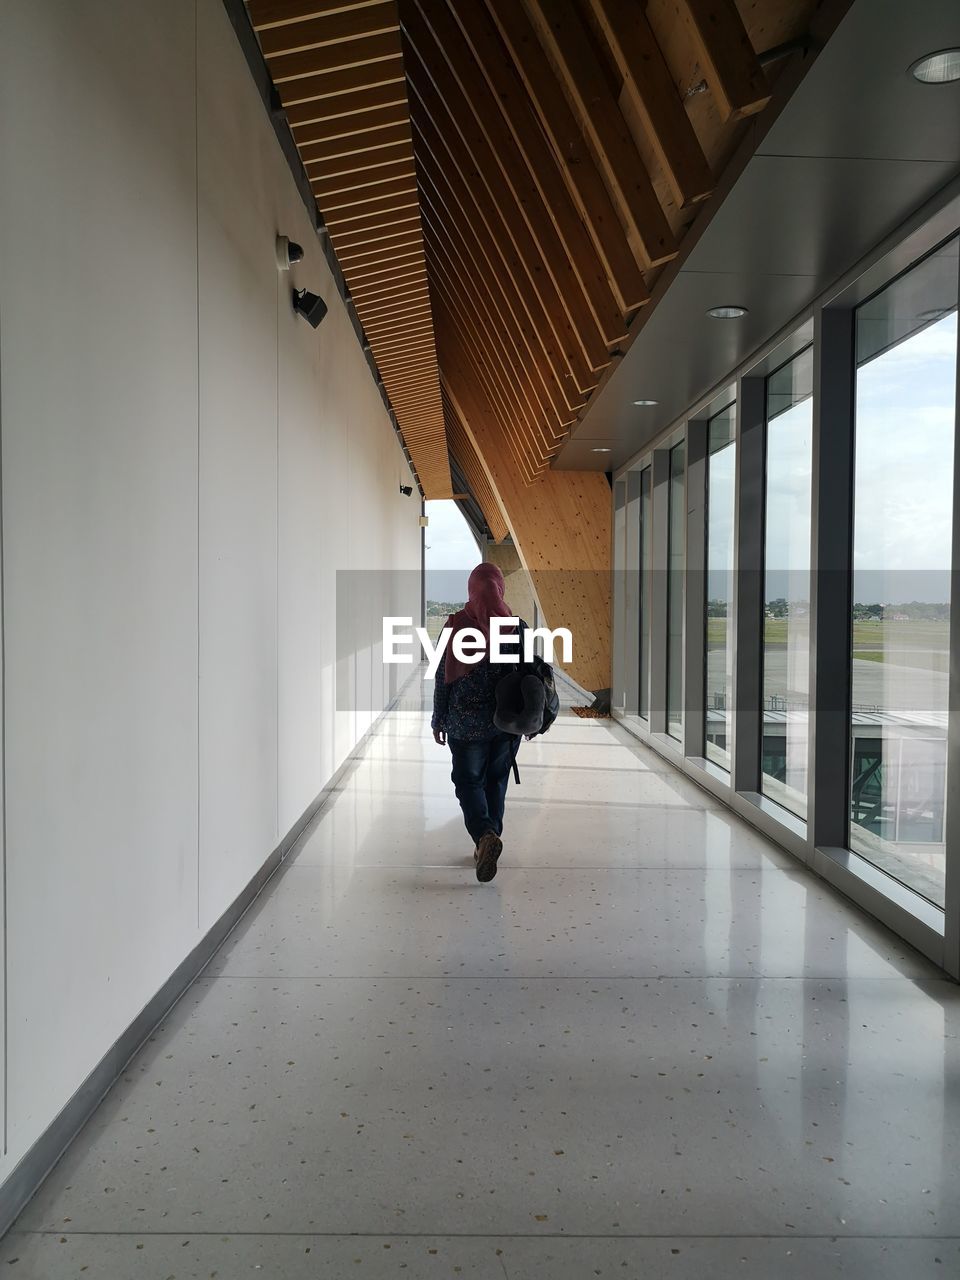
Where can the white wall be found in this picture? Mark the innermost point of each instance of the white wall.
(185, 465)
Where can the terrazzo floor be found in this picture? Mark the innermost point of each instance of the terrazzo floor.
(653, 1046)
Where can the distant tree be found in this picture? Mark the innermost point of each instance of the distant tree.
(443, 608)
(909, 611)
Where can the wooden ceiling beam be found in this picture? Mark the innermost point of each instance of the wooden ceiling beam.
(489, 341)
(582, 342)
(563, 34)
(338, 57)
(397, 378)
(327, 117)
(397, 279)
(371, 272)
(415, 375)
(340, 191)
(398, 320)
(341, 26)
(345, 217)
(732, 67)
(382, 194)
(424, 359)
(477, 260)
(372, 223)
(400, 242)
(353, 124)
(516, 416)
(341, 93)
(650, 86)
(372, 312)
(457, 213)
(398, 348)
(378, 232)
(367, 143)
(459, 372)
(360, 171)
(549, 323)
(414, 334)
(528, 176)
(512, 374)
(580, 171)
(374, 318)
(487, 334)
(520, 460)
(485, 48)
(269, 13)
(408, 292)
(527, 452)
(423, 396)
(403, 288)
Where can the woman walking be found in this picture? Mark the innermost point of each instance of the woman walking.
(464, 702)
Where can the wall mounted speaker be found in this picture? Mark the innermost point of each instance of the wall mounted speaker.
(309, 305)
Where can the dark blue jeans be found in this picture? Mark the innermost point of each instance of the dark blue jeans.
(481, 771)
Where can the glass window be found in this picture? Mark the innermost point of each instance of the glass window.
(646, 551)
(786, 621)
(903, 507)
(619, 594)
(676, 561)
(721, 489)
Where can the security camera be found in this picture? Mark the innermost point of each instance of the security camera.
(406, 490)
(288, 252)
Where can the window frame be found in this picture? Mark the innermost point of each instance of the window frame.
(820, 842)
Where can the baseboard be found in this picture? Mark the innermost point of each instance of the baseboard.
(38, 1163)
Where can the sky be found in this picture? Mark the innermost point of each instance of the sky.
(903, 488)
(903, 515)
(451, 552)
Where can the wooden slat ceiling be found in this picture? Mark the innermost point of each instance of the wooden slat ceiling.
(339, 72)
(520, 171)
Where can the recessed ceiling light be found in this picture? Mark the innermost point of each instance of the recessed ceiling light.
(727, 312)
(645, 402)
(601, 450)
(942, 67)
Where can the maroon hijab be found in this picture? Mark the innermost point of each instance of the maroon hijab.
(484, 601)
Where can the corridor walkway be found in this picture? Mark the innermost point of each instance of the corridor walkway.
(652, 1047)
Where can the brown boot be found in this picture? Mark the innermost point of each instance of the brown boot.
(489, 847)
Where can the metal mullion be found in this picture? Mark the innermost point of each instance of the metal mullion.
(951, 835)
(695, 591)
(619, 594)
(750, 470)
(660, 501)
(831, 558)
(631, 582)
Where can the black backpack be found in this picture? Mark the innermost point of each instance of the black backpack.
(527, 702)
(551, 703)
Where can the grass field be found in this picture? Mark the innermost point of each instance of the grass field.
(920, 644)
